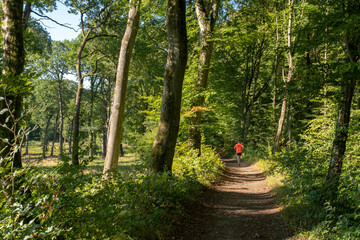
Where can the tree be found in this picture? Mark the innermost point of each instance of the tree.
(98, 13)
(12, 85)
(58, 67)
(290, 72)
(118, 108)
(207, 21)
(351, 10)
(164, 144)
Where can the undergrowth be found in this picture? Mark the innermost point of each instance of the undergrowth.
(67, 202)
(312, 212)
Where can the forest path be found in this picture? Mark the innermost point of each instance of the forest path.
(240, 206)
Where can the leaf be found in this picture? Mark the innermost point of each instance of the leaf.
(2, 98)
(3, 111)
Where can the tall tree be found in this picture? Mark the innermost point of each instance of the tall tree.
(351, 10)
(58, 67)
(289, 76)
(87, 34)
(207, 17)
(118, 109)
(13, 65)
(163, 149)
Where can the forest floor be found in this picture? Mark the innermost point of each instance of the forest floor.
(240, 206)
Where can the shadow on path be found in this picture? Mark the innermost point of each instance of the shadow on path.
(240, 206)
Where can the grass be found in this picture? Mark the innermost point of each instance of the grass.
(127, 163)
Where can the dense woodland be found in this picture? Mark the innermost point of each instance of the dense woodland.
(175, 84)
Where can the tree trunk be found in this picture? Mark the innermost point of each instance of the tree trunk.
(358, 96)
(289, 123)
(163, 149)
(275, 69)
(54, 136)
(248, 113)
(121, 150)
(287, 80)
(26, 144)
(76, 125)
(45, 137)
(71, 127)
(76, 120)
(118, 109)
(13, 58)
(103, 139)
(341, 134)
(26, 17)
(207, 29)
(61, 111)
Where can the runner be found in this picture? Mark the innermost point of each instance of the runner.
(239, 148)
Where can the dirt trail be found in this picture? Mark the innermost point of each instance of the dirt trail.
(240, 206)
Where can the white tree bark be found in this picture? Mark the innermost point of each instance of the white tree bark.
(118, 108)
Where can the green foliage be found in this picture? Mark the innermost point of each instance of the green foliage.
(65, 203)
(205, 168)
(304, 193)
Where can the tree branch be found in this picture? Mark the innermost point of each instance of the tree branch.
(49, 18)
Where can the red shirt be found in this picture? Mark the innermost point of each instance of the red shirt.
(239, 147)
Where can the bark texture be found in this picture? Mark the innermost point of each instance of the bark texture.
(13, 58)
(118, 108)
(164, 145)
(206, 22)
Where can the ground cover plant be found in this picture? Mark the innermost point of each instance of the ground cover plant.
(72, 202)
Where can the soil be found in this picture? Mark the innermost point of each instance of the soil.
(240, 206)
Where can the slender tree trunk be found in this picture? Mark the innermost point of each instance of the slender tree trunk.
(248, 117)
(118, 109)
(54, 136)
(275, 68)
(76, 120)
(13, 59)
(358, 95)
(71, 127)
(287, 80)
(163, 149)
(121, 150)
(103, 138)
(207, 29)
(44, 147)
(61, 112)
(26, 144)
(90, 120)
(76, 125)
(289, 123)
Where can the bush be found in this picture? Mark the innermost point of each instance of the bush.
(205, 168)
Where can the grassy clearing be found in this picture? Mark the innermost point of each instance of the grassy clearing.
(127, 163)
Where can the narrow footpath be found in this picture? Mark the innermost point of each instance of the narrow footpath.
(240, 206)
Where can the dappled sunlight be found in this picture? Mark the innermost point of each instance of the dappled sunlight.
(240, 206)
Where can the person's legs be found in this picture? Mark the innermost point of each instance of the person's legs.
(238, 158)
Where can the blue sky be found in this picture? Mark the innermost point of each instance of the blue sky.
(61, 15)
